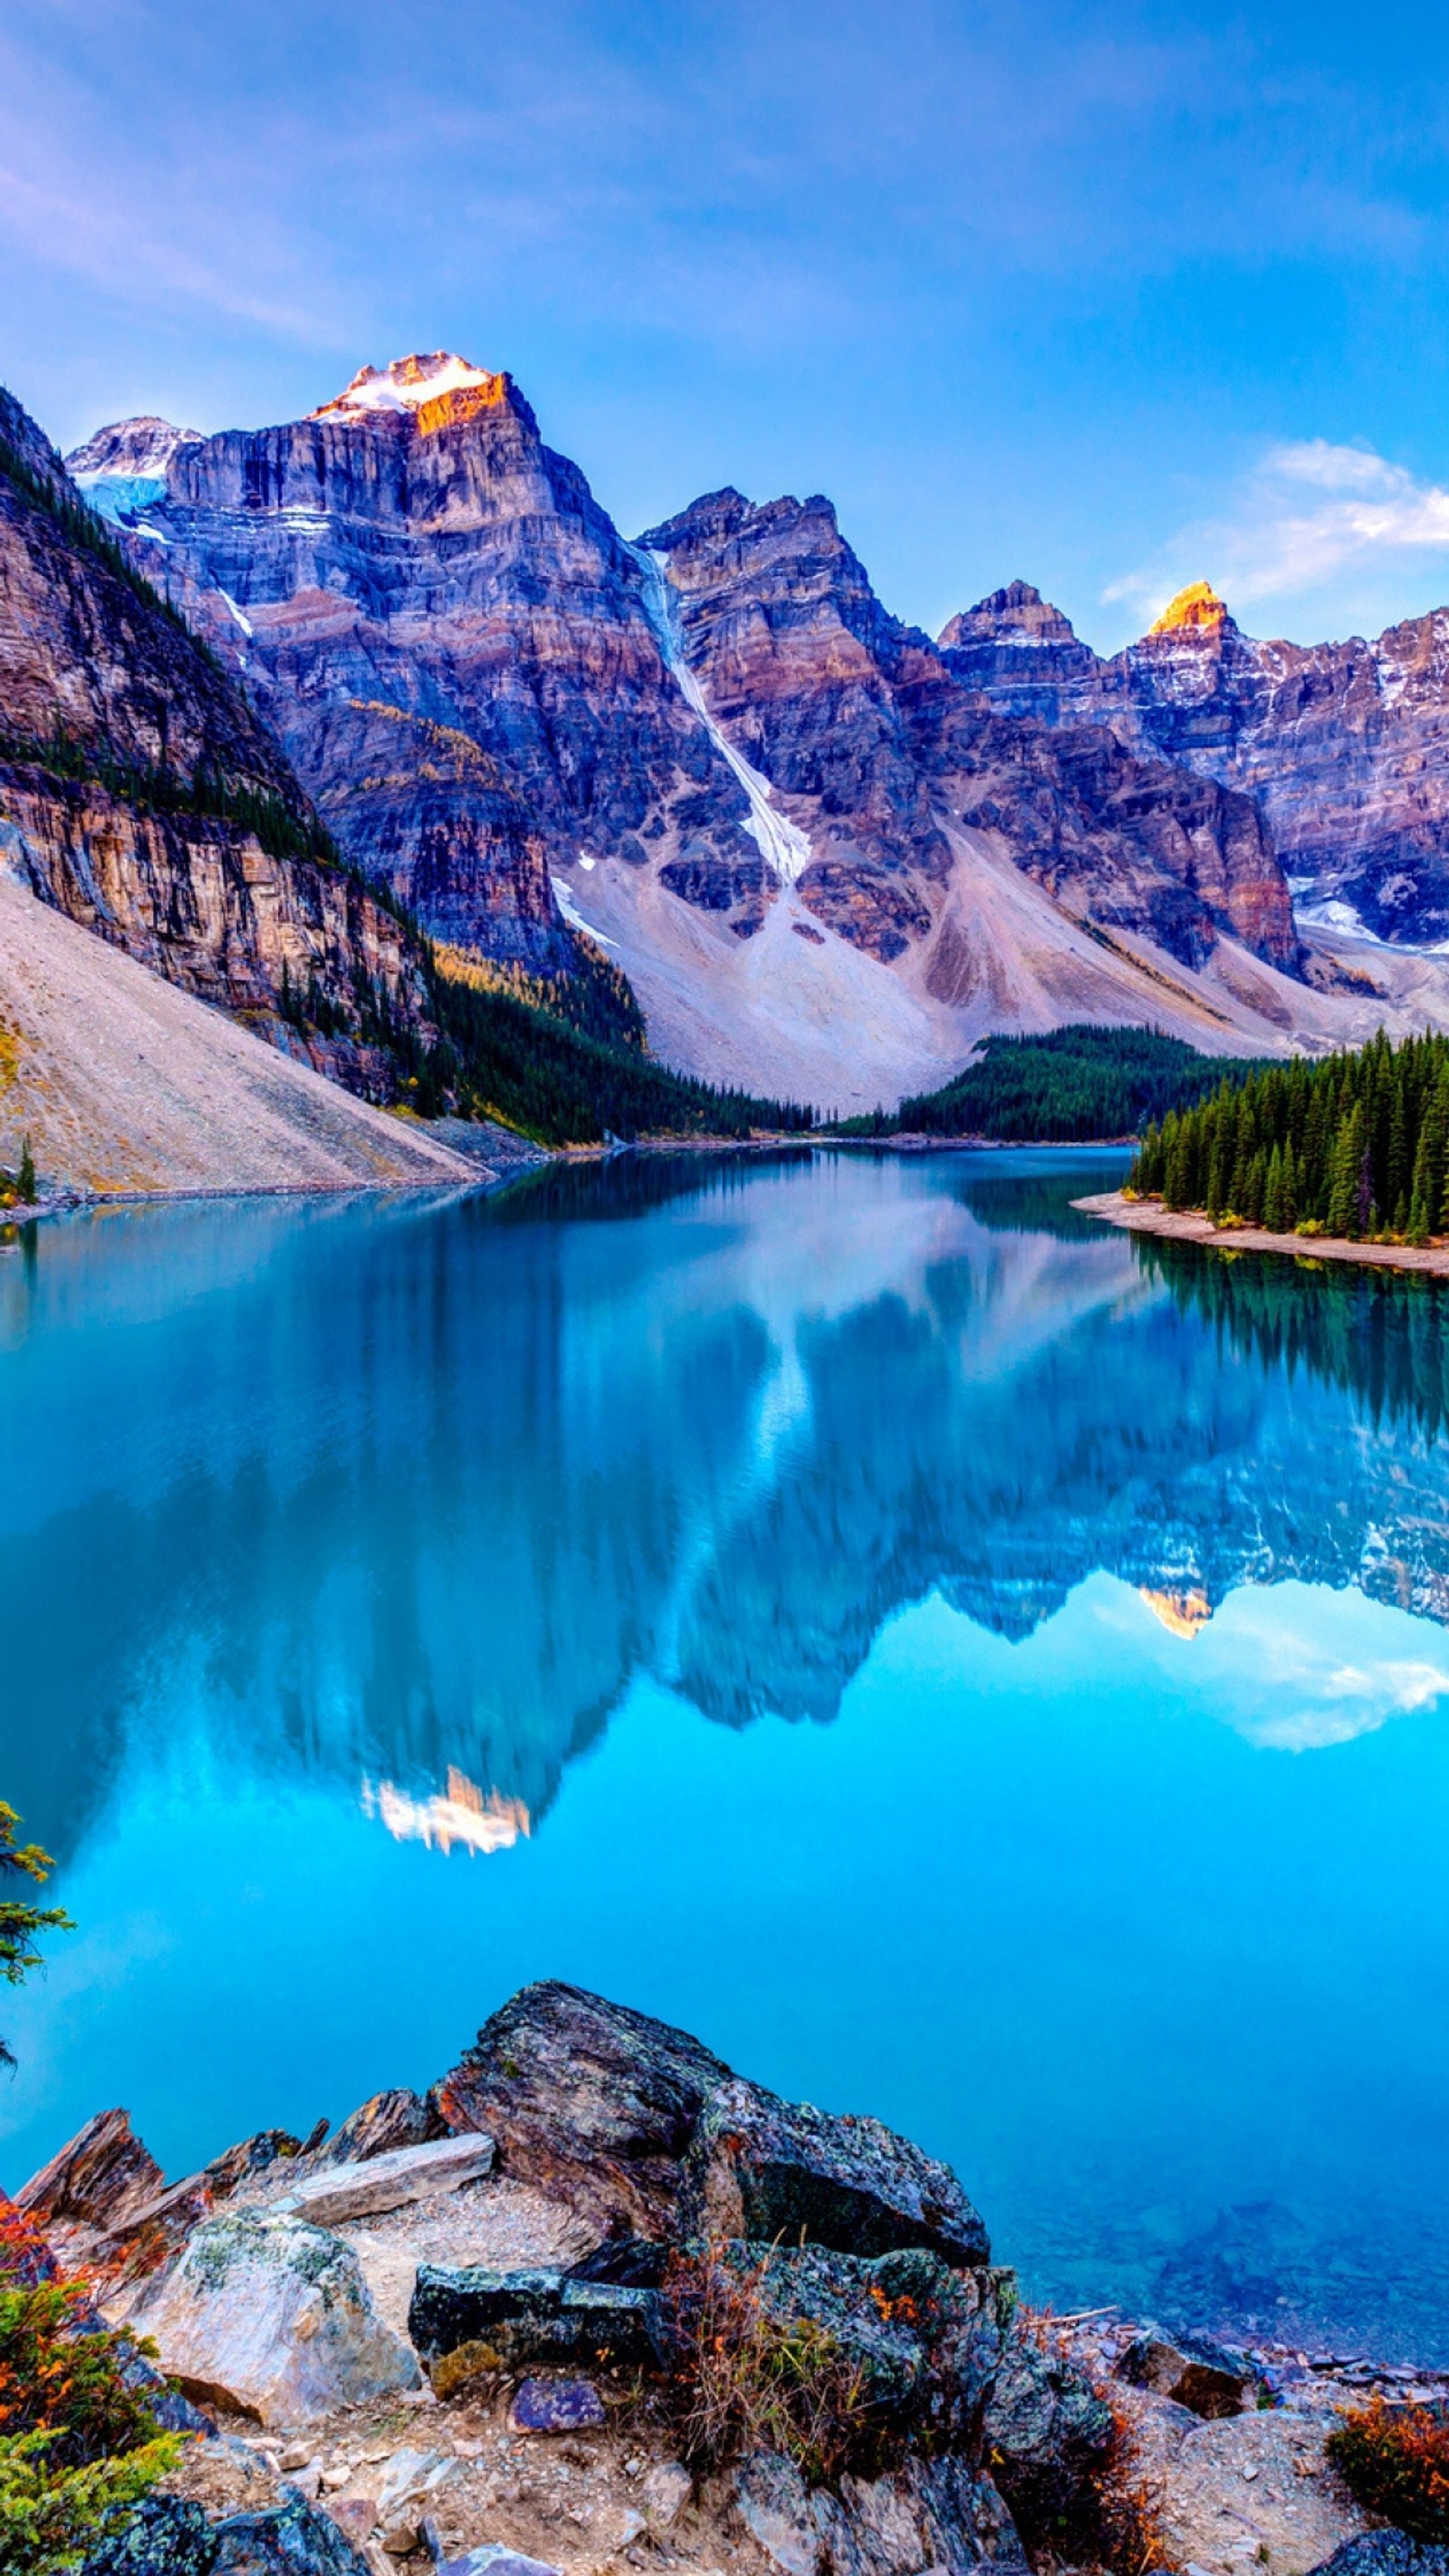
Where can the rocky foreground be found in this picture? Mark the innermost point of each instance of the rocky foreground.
(595, 2303)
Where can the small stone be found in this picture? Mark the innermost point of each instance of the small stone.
(631, 2528)
(666, 2492)
(296, 2456)
(556, 2406)
(400, 2539)
(354, 2516)
(337, 2474)
(307, 2483)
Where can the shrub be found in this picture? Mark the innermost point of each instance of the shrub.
(79, 2444)
(748, 2380)
(1394, 2460)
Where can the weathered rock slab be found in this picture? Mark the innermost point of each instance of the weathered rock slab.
(268, 2315)
(371, 2185)
(765, 2168)
(535, 2317)
(94, 2182)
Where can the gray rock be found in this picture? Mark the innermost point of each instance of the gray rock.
(268, 2315)
(774, 2504)
(926, 2515)
(762, 2167)
(412, 2485)
(1048, 2435)
(367, 2187)
(665, 2493)
(163, 2536)
(1386, 2553)
(293, 2539)
(166, 2536)
(535, 2317)
(1194, 2372)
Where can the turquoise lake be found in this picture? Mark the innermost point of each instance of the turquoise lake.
(965, 1664)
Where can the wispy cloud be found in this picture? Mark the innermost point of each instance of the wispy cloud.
(1310, 513)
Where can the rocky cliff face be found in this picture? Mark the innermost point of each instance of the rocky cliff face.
(140, 795)
(450, 638)
(865, 729)
(438, 618)
(1344, 746)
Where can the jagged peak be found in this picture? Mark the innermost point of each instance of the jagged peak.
(1017, 609)
(143, 445)
(1198, 609)
(417, 386)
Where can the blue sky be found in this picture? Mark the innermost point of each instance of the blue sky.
(1108, 296)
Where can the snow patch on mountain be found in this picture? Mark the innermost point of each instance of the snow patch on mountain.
(404, 386)
(780, 842)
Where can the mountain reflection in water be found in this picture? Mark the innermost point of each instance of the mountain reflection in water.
(337, 1537)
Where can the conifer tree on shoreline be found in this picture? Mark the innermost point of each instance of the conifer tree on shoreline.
(1351, 1145)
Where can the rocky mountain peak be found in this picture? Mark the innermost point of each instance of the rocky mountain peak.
(1017, 611)
(437, 390)
(142, 447)
(1196, 610)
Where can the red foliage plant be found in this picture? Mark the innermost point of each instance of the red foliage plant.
(1394, 2460)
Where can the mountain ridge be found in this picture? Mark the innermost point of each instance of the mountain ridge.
(828, 851)
(1344, 745)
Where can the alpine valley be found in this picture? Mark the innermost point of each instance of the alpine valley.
(827, 854)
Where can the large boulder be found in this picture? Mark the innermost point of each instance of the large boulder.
(535, 2318)
(1048, 2438)
(587, 2100)
(644, 2131)
(761, 2167)
(267, 2315)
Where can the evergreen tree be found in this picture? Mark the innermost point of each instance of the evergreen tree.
(1274, 1215)
(1343, 1173)
(25, 1182)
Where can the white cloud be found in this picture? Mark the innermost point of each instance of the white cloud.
(1310, 513)
(1298, 1667)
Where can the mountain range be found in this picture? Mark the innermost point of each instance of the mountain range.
(827, 852)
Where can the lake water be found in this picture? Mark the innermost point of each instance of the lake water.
(964, 1663)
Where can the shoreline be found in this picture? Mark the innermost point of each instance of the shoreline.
(1149, 1216)
(492, 2274)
